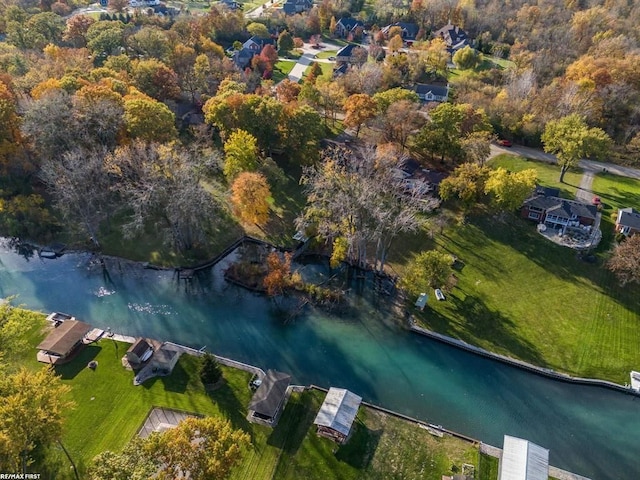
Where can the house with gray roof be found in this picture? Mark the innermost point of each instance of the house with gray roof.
(431, 93)
(454, 37)
(345, 26)
(268, 401)
(409, 31)
(291, 7)
(558, 213)
(62, 342)
(250, 48)
(628, 221)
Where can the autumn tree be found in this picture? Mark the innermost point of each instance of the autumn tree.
(287, 91)
(105, 38)
(155, 79)
(160, 187)
(258, 30)
(301, 131)
(359, 108)
(278, 277)
(399, 121)
(385, 98)
(251, 197)
(625, 261)
(148, 119)
(241, 154)
(150, 42)
(200, 448)
(32, 405)
(118, 6)
(80, 188)
(430, 269)
(510, 189)
(467, 183)
(466, 58)
(356, 196)
(571, 139)
(76, 30)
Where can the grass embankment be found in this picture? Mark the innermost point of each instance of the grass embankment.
(381, 447)
(614, 192)
(523, 296)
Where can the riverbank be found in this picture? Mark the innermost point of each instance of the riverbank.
(519, 363)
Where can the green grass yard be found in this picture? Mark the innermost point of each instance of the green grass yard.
(615, 192)
(282, 69)
(548, 174)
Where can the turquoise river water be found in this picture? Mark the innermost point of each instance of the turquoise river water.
(589, 430)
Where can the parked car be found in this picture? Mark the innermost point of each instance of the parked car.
(505, 143)
(439, 294)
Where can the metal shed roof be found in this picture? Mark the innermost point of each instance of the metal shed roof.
(339, 410)
(523, 460)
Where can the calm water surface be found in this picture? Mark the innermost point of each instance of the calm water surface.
(589, 430)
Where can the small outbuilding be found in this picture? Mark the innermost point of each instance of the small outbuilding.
(337, 413)
(268, 401)
(62, 342)
(523, 460)
(139, 352)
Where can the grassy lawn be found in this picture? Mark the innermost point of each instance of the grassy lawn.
(327, 69)
(488, 468)
(516, 291)
(615, 192)
(381, 447)
(548, 174)
(282, 69)
(326, 54)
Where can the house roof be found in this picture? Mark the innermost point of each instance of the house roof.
(339, 410)
(346, 51)
(64, 337)
(453, 36)
(139, 348)
(435, 90)
(523, 460)
(562, 207)
(629, 217)
(270, 393)
(547, 191)
(349, 23)
(409, 30)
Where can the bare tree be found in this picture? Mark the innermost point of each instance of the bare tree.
(80, 188)
(356, 196)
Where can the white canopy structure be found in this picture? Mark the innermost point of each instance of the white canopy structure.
(523, 460)
(337, 413)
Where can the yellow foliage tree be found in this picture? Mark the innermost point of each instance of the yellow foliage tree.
(251, 196)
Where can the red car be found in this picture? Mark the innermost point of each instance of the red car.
(504, 143)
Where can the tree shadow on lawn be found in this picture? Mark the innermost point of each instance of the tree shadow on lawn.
(79, 362)
(492, 328)
(177, 381)
(231, 407)
(295, 422)
(361, 447)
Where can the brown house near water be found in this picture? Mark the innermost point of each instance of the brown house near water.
(62, 342)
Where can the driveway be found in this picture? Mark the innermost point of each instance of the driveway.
(590, 166)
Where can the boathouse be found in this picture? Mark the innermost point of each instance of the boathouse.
(337, 413)
(62, 342)
(523, 460)
(139, 352)
(268, 401)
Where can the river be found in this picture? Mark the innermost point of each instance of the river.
(589, 430)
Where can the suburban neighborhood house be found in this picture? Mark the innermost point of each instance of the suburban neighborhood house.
(431, 93)
(523, 460)
(409, 31)
(348, 26)
(337, 413)
(268, 401)
(545, 207)
(62, 342)
(454, 37)
(291, 7)
(250, 48)
(628, 221)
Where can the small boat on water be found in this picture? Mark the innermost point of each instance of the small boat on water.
(52, 251)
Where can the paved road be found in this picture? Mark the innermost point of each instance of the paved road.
(591, 166)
